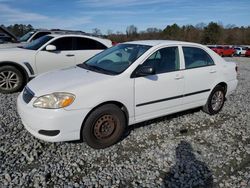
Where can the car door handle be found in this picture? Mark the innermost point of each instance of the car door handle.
(178, 77)
(212, 71)
(70, 55)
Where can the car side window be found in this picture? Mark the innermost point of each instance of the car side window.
(164, 60)
(40, 34)
(63, 44)
(196, 57)
(88, 44)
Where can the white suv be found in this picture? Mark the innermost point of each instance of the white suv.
(18, 65)
(126, 84)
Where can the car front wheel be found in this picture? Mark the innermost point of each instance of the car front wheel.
(104, 126)
(215, 101)
(11, 79)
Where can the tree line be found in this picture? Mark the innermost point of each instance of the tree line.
(212, 33)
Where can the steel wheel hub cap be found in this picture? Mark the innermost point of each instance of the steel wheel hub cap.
(217, 100)
(8, 80)
(104, 127)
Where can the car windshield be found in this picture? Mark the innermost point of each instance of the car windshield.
(116, 59)
(36, 44)
(26, 37)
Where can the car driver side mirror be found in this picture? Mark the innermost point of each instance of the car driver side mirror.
(143, 71)
(50, 48)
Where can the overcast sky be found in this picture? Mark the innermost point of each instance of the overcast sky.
(116, 15)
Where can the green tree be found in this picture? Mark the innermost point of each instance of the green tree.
(173, 32)
(212, 33)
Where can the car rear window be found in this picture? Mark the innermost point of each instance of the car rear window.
(82, 43)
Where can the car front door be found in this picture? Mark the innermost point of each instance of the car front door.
(200, 74)
(161, 93)
(85, 48)
(63, 56)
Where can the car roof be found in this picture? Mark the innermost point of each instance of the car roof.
(74, 35)
(106, 42)
(161, 42)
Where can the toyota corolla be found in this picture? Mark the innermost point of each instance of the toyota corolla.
(126, 84)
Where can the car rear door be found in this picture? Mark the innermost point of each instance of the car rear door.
(85, 48)
(159, 94)
(200, 74)
(63, 56)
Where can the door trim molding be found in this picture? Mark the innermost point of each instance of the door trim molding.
(172, 98)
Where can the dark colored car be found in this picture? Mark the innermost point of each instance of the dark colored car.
(5, 39)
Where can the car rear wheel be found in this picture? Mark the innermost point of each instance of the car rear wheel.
(215, 101)
(104, 126)
(11, 79)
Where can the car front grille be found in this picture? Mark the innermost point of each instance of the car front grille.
(27, 95)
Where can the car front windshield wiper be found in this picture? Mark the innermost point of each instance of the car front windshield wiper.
(97, 69)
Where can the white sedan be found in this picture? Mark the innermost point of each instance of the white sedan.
(126, 84)
(19, 65)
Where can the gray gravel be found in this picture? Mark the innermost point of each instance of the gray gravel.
(188, 149)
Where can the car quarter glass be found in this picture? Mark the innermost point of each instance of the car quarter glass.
(196, 57)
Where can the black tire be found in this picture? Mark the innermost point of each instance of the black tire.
(104, 127)
(11, 79)
(211, 108)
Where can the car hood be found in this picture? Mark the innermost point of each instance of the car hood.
(9, 45)
(65, 80)
(6, 50)
(11, 53)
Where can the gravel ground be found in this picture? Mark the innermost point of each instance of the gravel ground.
(188, 149)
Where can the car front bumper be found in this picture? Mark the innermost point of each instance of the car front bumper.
(37, 121)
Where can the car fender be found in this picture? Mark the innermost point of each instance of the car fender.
(24, 67)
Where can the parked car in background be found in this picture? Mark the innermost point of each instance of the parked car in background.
(247, 53)
(123, 85)
(7, 39)
(19, 65)
(228, 51)
(217, 49)
(223, 50)
(240, 51)
(35, 34)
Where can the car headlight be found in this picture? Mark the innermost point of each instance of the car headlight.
(54, 100)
